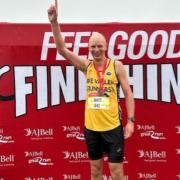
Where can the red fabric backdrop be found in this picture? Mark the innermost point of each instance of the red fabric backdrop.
(42, 101)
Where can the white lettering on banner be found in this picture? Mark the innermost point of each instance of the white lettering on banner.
(73, 132)
(39, 132)
(64, 82)
(38, 178)
(22, 89)
(6, 139)
(153, 156)
(147, 46)
(71, 176)
(35, 157)
(33, 153)
(149, 131)
(41, 161)
(145, 127)
(108, 177)
(170, 81)
(57, 82)
(74, 157)
(153, 135)
(7, 160)
(76, 48)
(151, 176)
(42, 90)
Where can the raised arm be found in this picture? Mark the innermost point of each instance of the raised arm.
(79, 62)
(130, 105)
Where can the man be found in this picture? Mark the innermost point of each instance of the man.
(103, 128)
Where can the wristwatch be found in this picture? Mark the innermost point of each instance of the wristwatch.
(131, 119)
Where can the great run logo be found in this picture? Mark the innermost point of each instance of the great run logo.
(39, 134)
(38, 157)
(152, 156)
(73, 132)
(150, 131)
(5, 139)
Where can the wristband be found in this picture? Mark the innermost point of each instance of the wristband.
(131, 119)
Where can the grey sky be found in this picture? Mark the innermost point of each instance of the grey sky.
(93, 11)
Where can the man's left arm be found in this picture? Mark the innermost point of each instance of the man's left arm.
(130, 104)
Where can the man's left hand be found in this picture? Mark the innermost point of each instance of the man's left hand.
(129, 129)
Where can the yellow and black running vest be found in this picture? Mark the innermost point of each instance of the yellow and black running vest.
(102, 112)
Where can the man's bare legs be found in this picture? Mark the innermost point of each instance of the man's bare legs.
(96, 169)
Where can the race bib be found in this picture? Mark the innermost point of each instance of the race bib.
(98, 102)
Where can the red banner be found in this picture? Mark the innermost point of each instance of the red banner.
(42, 101)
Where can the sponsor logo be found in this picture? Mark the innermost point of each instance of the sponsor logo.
(39, 134)
(108, 73)
(71, 176)
(77, 156)
(151, 176)
(178, 129)
(178, 151)
(149, 131)
(38, 158)
(108, 177)
(38, 178)
(7, 160)
(73, 132)
(152, 156)
(145, 127)
(5, 139)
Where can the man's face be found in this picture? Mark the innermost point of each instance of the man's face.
(97, 46)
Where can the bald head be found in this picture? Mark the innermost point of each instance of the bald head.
(97, 37)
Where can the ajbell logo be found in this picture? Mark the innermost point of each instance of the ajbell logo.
(75, 155)
(146, 176)
(6, 158)
(38, 132)
(152, 154)
(71, 176)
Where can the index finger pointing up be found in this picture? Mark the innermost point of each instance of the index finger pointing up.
(56, 4)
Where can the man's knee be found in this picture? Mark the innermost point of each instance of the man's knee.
(117, 171)
(96, 168)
